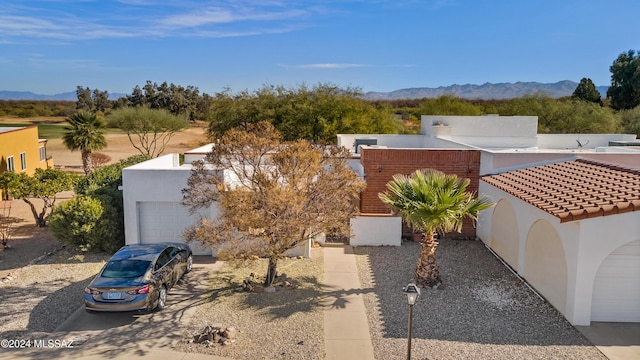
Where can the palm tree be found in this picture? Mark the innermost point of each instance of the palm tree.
(431, 202)
(85, 133)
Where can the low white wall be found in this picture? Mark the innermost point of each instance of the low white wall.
(386, 140)
(573, 141)
(482, 126)
(197, 154)
(376, 230)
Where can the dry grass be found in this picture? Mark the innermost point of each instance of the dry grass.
(286, 324)
(118, 145)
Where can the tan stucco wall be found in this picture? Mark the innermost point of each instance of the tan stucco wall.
(22, 140)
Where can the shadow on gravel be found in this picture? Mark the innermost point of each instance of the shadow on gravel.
(138, 332)
(314, 296)
(482, 301)
(39, 303)
(106, 335)
(63, 301)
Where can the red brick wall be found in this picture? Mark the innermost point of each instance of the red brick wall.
(381, 164)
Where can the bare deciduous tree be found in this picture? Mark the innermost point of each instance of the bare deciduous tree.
(6, 222)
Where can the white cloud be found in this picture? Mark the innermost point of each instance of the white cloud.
(329, 66)
(221, 16)
(173, 19)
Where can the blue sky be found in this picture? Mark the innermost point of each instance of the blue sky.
(51, 46)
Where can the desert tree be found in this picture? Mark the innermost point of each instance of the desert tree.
(95, 101)
(85, 132)
(179, 100)
(431, 201)
(149, 130)
(624, 91)
(314, 113)
(272, 195)
(40, 191)
(587, 91)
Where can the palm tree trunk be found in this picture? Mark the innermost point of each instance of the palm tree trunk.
(427, 272)
(87, 163)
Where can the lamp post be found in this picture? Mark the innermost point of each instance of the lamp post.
(412, 292)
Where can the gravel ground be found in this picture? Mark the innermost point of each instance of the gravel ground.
(43, 295)
(287, 324)
(483, 311)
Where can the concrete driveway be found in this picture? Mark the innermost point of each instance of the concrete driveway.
(107, 335)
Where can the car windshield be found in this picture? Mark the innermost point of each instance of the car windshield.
(125, 268)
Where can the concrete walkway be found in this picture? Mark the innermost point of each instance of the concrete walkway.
(346, 328)
(617, 341)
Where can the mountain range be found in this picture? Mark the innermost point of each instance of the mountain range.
(486, 91)
(28, 95)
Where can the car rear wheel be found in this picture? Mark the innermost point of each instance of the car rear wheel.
(162, 298)
(189, 263)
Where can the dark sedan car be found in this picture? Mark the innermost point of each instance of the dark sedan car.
(137, 277)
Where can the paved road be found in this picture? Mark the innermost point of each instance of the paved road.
(104, 335)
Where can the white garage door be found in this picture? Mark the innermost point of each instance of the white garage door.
(165, 221)
(616, 290)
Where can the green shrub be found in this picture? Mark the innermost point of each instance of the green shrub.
(90, 223)
(107, 176)
(73, 222)
(94, 220)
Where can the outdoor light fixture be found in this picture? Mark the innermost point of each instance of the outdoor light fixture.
(412, 291)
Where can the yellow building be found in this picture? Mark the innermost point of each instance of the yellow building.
(22, 151)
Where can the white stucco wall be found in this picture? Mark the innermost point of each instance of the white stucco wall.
(490, 131)
(197, 154)
(157, 180)
(494, 162)
(162, 180)
(375, 230)
(586, 243)
(600, 236)
(573, 141)
(383, 140)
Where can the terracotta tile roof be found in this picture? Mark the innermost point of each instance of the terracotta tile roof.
(574, 190)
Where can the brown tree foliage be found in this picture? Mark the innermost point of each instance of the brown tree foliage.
(272, 195)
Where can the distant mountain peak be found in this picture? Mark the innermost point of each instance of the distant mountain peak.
(486, 91)
(28, 95)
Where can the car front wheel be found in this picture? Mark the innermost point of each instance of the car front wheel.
(189, 263)
(162, 298)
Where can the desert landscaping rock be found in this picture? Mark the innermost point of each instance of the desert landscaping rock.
(484, 312)
(268, 325)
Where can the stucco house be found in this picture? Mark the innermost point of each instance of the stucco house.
(153, 210)
(586, 263)
(22, 151)
(567, 214)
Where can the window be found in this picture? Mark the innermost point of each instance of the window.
(10, 165)
(163, 259)
(23, 161)
(125, 268)
(43, 154)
